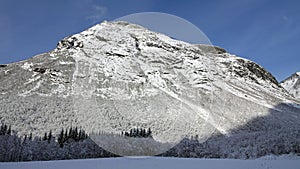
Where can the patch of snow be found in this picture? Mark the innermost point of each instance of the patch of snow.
(27, 66)
(32, 80)
(6, 71)
(55, 73)
(60, 89)
(65, 63)
(28, 92)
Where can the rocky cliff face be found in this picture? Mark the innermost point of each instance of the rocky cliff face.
(116, 76)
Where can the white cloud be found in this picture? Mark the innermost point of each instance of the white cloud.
(285, 18)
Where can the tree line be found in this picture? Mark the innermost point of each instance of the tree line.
(138, 132)
(73, 134)
(74, 143)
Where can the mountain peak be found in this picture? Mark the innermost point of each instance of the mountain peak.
(292, 84)
(116, 76)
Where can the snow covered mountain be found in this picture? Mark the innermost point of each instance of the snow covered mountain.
(116, 76)
(292, 84)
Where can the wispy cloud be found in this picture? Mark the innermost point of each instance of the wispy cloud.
(98, 12)
(285, 18)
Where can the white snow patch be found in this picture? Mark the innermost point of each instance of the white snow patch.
(6, 71)
(65, 63)
(56, 73)
(28, 92)
(32, 80)
(27, 65)
(61, 88)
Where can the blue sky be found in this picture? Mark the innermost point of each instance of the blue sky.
(265, 31)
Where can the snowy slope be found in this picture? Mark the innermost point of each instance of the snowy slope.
(292, 84)
(159, 163)
(116, 76)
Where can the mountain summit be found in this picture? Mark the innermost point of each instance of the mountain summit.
(292, 84)
(116, 76)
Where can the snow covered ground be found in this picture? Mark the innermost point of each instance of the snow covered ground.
(269, 162)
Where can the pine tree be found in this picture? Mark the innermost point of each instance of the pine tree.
(80, 135)
(49, 136)
(3, 129)
(8, 132)
(137, 132)
(2, 132)
(60, 138)
(131, 133)
(143, 133)
(66, 137)
(45, 137)
(76, 134)
(134, 132)
(86, 136)
(30, 137)
(25, 138)
(70, 133)
(149, 132)
(126, 134)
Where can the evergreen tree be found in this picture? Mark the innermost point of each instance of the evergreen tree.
(70, 133)
(149, 132)
(3, 129)
(80, 135)
(60, 139)
(76, 134)
(138, 132)
(30, 137)
(45, 137)
(66, 137)
(126, 134)
(8, 132)
(49, 136)
(25, 138)
(143, 133)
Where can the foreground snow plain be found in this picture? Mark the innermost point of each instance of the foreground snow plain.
(269, 162)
